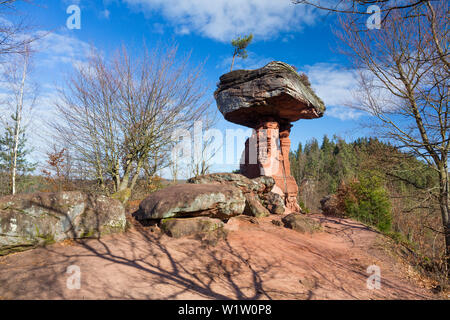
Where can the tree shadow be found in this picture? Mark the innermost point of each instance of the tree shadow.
(150, 260)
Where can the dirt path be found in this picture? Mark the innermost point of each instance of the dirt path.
(255, 261)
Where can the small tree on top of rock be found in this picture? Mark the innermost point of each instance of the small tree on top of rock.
(240, 44)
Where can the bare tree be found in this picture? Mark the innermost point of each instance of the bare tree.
(403, 73)
(360, 6)
(203, 150)
(118, 115)
(15, 32)
(357, 11)
(21, 95)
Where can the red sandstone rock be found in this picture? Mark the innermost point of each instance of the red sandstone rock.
(268, 100)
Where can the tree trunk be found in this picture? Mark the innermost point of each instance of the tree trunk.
(232, 62)
(18, 119)
(443, 205)
(136, 176)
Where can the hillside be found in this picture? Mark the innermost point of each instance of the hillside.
(255, 260)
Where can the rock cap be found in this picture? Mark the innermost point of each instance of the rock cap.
(274, 91)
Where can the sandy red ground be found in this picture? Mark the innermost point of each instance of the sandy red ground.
(255, 261)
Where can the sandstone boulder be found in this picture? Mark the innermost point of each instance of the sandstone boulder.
(275, 90)
(300, 223)
(31, 219)
(257, 191)
(192, 200)
(257, 185)
(122, 195)
(180, 227)
(253, 207)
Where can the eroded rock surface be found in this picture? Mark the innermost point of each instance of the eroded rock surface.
(260, 201)
(31, 219)
(274, 203)
(254, 207)
(191, 200)
(300, 223)
(275, 90)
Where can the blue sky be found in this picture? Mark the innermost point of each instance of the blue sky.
(282, 31)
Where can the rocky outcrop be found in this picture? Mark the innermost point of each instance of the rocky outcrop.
(260, 185)
(260, 201)
(192, 200)
(253, 207)
(31, 219)
(273, 202)
(180, 227)
(300, 223)
(268, 100)
(122, 195)
(275, 90)
(331, 206)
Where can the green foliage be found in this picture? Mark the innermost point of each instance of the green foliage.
(240, 45)
(122, 195)
(7, 149)
(23, 166)
(368, 201)
(303, 206)
(334, 160)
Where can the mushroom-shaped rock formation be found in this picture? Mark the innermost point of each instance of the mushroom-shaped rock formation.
(268, 100)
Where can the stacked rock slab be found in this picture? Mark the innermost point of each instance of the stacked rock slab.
(27, 220)
(268, 100)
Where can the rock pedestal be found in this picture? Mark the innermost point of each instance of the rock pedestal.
(271, 144)
(268, 100)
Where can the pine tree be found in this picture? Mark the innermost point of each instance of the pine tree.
(240, 45)
(23, 166)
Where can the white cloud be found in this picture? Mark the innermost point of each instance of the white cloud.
(344, 113)
(332, 83)
(158, 28)
(224, 19)
(335, 86)
(57, 48)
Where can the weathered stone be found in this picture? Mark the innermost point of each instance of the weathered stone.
(253, 207)
(268, 100)
(272, 160)
(191, 200)
(331, 207)
(122, 195)
(275, 90)
(267, 181)
(301, 223)
(273, 202)
(30, 219)
(180, 227)
(255, 191)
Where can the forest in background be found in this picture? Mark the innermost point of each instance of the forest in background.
(375, 183)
